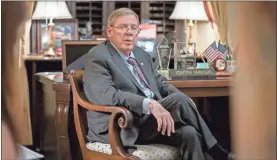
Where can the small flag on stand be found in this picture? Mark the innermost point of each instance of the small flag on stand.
(223, 51)
(213, 52)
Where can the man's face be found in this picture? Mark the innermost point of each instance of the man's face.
(123, 33)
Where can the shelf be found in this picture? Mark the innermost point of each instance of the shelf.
(85, 21)
(156, 8)
(82, 3)
(156, 21)
(159, 13)
(82, 7)
(90, 11)
(97, 12)
(170, 24)
(134, 5)
(120, 4)
(155, 3)
(156, 18)
(82, 15)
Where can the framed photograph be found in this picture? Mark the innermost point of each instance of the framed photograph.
(63, 30)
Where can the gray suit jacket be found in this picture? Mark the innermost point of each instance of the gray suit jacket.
(108, 81)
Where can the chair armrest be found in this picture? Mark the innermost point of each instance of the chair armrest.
(124, 116)
(120, 116)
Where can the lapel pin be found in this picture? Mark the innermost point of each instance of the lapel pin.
(141, 63)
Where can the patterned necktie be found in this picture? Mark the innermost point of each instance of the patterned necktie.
(134, 63)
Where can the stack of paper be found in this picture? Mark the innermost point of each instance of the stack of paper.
(28, 154)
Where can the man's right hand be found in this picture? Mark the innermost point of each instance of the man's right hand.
(164, 119)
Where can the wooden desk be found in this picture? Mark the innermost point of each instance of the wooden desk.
(55, 118)
(35, 64)
(35, 61)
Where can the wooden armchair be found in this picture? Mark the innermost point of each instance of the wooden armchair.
(121, 118)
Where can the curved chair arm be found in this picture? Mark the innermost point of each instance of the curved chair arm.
(120, 116)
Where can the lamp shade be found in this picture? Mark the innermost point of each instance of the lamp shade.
(189, 11)
(56, 10)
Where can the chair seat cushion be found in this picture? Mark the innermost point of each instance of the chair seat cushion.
(145, 152)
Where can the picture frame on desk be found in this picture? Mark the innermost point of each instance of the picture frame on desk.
(63, 30)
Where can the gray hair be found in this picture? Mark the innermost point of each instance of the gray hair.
(121, 12)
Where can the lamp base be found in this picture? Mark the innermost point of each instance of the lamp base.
(49, 53)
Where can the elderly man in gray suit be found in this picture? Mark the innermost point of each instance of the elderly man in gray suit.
(120, 73)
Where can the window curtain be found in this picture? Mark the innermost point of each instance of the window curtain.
(25, 40)
(216, 12)
(208, 13)
(24, 123)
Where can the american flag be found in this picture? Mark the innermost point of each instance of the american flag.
(213, 52)
(223, 51)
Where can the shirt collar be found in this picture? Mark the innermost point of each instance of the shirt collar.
(124, 57)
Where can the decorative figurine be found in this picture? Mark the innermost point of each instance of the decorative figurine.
(87, 31)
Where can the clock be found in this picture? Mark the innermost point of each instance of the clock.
(219, 64)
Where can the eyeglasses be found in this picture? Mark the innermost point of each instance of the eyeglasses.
(125, 27)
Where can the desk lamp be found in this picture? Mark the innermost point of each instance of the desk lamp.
(188, 11)
(51, 10)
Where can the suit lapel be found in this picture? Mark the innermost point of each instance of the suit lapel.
(121, 64)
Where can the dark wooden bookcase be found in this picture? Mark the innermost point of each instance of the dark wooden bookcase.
(159, 12)
(134, 5)
(90, 11)
(153, 12)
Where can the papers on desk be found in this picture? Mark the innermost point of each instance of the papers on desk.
(28, 154)
(202, 66)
